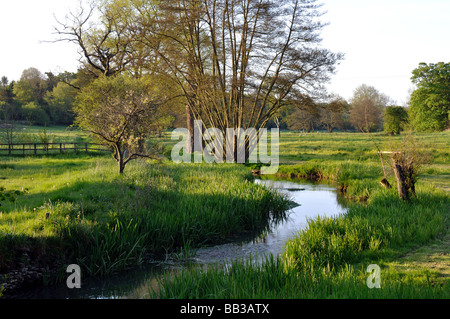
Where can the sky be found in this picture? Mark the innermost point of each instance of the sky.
(383, 41)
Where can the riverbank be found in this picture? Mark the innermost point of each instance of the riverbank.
(66, 209)
(330, 258)
(77, 210)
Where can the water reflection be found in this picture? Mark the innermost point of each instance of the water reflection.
(310, 200)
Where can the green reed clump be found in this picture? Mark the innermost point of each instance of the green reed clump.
(328, 258)
(248, 280)
(368, 231)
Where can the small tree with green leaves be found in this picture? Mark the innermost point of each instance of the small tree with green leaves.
(395, 119)
(121, 111)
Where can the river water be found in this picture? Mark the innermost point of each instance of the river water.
(309, 200)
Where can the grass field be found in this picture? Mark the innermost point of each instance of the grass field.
(74, 208)
(410, 241)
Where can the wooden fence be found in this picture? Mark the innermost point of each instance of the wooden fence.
(49, 148)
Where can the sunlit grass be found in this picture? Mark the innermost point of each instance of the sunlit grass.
(74, 208)
(329, 258)
(79, 206)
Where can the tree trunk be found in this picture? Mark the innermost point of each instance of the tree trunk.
(121, 164)
(401, 181)
(118, 156)
(190, 127)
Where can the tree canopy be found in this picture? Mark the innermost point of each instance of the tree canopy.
(430, 102)
(121, 111)
(367, 108)
(235, 62)
(395, 119)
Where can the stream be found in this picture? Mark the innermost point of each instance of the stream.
(311, 199)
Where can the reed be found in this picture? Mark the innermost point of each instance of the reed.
(79, 208)
(328, 258)
(247, 280)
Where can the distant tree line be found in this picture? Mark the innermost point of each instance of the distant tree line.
(46, 99)
(49, 99)
(364, 112)
(369, 110)
(38, 99)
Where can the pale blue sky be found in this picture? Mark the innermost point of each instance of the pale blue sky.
(384, 40)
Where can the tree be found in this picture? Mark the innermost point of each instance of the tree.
(31, 87)
(303, 119)
(235, 62)
(121, 111)
(407, 158)
(6, 91)
(430, 102)
(303, 115)
(106, 44)
(367, 107)
(4, 81)
(395, 118)
(238, 62)
(332, 114)
(60, 102)
(35, 114)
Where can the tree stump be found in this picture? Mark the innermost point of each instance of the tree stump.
(401, 180)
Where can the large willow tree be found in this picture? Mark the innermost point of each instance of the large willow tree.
(236, 62)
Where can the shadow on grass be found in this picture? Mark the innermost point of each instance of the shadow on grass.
(108, 226)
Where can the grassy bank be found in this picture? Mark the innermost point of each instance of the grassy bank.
(69, 209)
(74, 208)
(329, 258)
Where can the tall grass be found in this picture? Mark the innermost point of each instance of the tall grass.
(247, 280)
(82, 210)
(76, 209)
(329, 258)
(369, 231)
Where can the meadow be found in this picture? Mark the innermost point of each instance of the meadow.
(75, 208)
(408, 240)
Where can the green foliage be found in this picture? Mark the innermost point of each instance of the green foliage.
(108, 222)
(323, 261)
(367, 231)
(430, 103)
(122, 112)
(35, 114)
(52, 93)
(248, 280)
(395, 119)
(23, 92)
(60, 101)
(429, 112)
